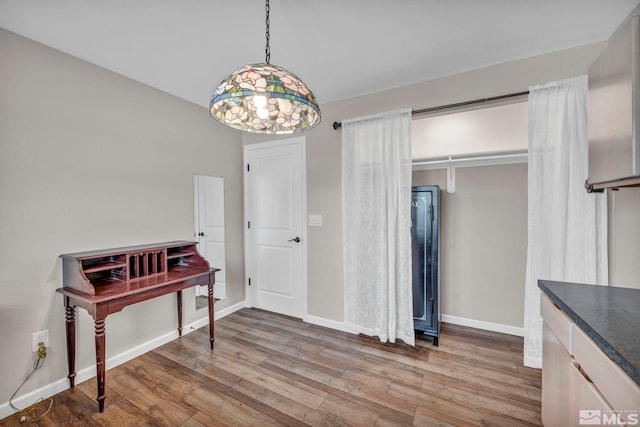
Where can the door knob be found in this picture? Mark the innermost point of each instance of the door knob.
(201, 234)
(295, 239)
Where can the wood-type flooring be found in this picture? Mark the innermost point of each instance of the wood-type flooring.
(268, 370)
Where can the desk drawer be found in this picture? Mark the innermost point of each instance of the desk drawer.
(617, 387)
(561, 326)
(583, 396)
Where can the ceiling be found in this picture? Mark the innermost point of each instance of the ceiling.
(340, 48)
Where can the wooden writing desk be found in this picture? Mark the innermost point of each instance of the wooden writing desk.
(106, 281)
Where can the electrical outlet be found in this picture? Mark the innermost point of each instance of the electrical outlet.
(42, 336)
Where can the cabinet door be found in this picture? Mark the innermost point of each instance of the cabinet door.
(586, 404)
(618, 388)
(555, 381)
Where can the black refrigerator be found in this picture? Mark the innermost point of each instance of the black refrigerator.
(425, 237)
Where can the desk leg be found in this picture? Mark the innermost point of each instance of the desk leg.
(100, 361)
(70, 317)
(179, 296)
(210, 298)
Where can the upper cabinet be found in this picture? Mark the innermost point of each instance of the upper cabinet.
(614, 111)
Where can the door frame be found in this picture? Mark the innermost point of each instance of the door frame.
(248, 254)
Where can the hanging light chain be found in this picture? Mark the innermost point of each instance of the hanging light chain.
(251, 98)
(267, 49)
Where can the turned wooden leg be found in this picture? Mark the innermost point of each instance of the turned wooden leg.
(100, 361)
(179, 296)
(210, 298)
(70, 317)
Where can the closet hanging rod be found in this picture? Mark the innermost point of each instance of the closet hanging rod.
(338, 125)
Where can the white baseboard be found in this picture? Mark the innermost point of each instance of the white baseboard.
(487, 326)
(217, 315)
(82, 375)
(533, 362)
(462, 321)
(320, 321)
(327, 323)
(226, 311)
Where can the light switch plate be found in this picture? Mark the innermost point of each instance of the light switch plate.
(315, 220)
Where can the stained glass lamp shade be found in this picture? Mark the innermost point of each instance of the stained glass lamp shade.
(265, 98)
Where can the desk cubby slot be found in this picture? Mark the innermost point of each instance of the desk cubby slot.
(180, 251)
(152, 263)
(142, 262)
(161, 263)
(133, 266)
(175, 262)
(93, 265)
(105, 277)
(180, 256)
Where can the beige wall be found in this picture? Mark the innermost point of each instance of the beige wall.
(88, 160)
(484, 242)
(484, 130)
(324, 163)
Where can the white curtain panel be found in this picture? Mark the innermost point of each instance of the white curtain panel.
(376, 206)
(567, 227)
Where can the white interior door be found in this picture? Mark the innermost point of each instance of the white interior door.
(275, 240)
(209, 228)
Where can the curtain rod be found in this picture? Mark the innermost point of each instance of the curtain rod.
(338, 125)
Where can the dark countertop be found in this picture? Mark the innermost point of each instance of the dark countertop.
(609, 315)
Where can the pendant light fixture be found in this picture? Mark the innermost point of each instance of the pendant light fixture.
(265, 98)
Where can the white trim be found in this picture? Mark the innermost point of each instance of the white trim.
(82, 375)
(225, 312)
(216, 316)
(199, 290)
(494, 158)
(246, 235)
(43, 392)
(455, 320)
(327, 323)
(533, 362)
(196, 207)
(480, 324)
(305, 247)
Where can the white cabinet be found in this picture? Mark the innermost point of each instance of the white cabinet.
(555, 380)
(621, 391)
(584, 400)
(579, 380)
(614, 116)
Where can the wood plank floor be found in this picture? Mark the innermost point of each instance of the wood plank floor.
(268, 370)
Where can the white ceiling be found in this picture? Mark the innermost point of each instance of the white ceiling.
(340, 48)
